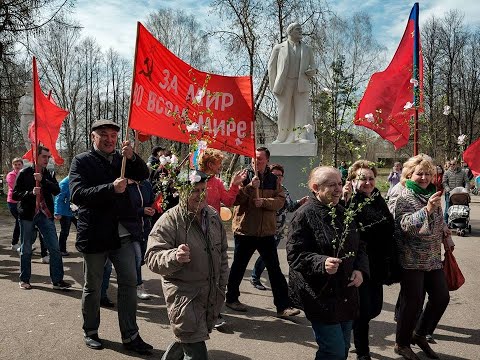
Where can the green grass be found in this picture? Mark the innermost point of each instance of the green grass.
(381, 181)
(3, 205)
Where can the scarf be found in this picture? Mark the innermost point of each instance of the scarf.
(412, 185)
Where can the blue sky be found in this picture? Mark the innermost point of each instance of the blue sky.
(113, 23)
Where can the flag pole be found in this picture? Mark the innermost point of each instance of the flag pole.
(35, 124)
(416, 76)
(257, 191)
(124, 160)
(415, 133)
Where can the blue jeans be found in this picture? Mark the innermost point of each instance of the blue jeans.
(137, 246)
(16, 230)
(259, 266)
(49, 233)
(123, 260)
(107, 272)
(65, 223)
(333, 340)
(245, 246)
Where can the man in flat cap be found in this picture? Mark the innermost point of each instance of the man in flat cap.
(99, 192)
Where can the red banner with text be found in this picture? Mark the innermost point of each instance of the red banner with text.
(173, 100)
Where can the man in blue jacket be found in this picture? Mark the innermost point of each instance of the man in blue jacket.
(99, 192)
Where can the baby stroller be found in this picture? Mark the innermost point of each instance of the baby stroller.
(459, 211)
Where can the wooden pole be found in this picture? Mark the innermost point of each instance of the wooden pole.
(124, 159)
(35, 127)
(257, 190)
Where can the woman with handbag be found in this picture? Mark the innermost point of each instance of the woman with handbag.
(420, 231)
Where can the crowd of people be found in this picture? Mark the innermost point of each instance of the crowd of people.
(344, 242)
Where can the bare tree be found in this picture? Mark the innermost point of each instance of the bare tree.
(431, 139)
(350, 55)
(453, 39)
(18, 20)
(181, 33)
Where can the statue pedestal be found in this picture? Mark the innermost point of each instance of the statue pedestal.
(298, 160)
(294, 149)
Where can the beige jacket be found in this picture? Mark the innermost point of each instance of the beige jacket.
(195, 291)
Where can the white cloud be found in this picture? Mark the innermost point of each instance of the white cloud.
(389, 17)
(113, 23)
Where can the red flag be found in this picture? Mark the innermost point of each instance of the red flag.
(48, 119)
(471, 156)
(392, 95)
(168, 92)
(143, 137)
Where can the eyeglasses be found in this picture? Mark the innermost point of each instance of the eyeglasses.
(364, 178)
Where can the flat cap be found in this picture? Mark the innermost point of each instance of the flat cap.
(102, 123)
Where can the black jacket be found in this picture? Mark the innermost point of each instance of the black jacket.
(377, 237)
(23, 192)
(99, 207)
(321, 296)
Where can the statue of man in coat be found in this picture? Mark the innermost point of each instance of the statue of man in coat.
(290, 68)
(25, 109)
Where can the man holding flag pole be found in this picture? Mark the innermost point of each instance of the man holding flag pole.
(35, 188)
(97, 187)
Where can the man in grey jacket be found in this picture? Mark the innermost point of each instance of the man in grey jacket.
(452, 178)
(188, 248)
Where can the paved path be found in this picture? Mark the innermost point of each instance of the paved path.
(46, 324)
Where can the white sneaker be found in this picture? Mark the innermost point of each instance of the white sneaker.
(16, 247)
(220, 322)
(46, 259)
(141, 293)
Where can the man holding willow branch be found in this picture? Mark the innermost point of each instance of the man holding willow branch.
(188, 248)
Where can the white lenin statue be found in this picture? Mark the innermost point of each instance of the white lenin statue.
(25, 109)
(290, 67)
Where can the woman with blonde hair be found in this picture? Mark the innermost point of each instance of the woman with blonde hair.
(376, 231)
(419, 232)
(210, 162)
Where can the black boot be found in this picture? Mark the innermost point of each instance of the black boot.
(422, 342)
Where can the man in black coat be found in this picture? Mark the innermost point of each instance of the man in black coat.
(35, 209)
(99, 192)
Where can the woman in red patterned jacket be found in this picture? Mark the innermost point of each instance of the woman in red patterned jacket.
(210, 162)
